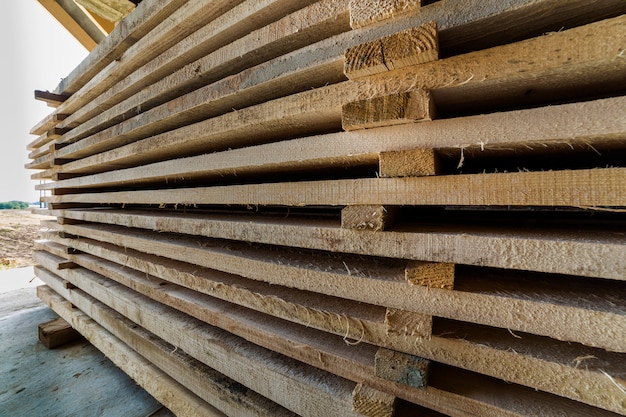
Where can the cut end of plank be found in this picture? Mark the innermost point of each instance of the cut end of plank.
(430, 274)
(52, 99)
(409, 163)
(408, 323)
(369, 12)
(401, 368)
(371, 402)
(373, 218)
(410, 47)
(57, 332)
(394, 109)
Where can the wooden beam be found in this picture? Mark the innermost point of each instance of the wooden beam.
(402, 368)
(430, 274)
(68, 21)
(53, 99)
(409, 107)
(409, 163)
(544, 249)
(371, 402)
(594, 326)
(373, 218)
(601, 187)
(526, 129)
(532, 358)
(112, 10)
(162, 387)
(485, 75)
(409, 47)
(244, 362)
(57, 332)
(369, 12)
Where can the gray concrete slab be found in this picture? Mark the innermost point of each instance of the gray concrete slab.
(74, 380)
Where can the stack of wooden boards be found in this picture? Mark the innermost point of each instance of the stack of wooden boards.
(336, 208)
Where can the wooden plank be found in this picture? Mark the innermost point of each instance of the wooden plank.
(312, 391)
(162, 387)
(48, 123)
(487, 75)
(183, 21)
(53, 99)
(113, 10)
(368, 217)
(166, 78)
(402, 368)
(409, 163)
(593, 323)
(369, 12)
(526, 129)
(430, 274)
(214, 388)
(544, 249)
(409, 47)
(543, 362)
(371, 402)
(57, 332)
(89, 39)
(601, 187)
(409, 107)
(149, 14)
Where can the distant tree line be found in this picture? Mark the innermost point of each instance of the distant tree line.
(17, 205)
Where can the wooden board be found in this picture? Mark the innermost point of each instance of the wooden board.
(602, 324)
(588, 188)
(163, 388)
(356, 360)
(541, 249)
(527, 130)
(434, 398)
(486, 75)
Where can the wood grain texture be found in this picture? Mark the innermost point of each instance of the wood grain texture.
(536, 364)
(574, 188)
(402, 368)
(598, 324)
(430, 274)
(162, 387)
(409, 47)
(311, 391)
(409, 107)
(113, 10)
(532, 249)
(369, 12)
(373, 218)
(57, 332)
(578, 125)
(487, 74)
(371, 402)
(216, 389)
(409, 163)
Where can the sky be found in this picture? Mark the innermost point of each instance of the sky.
(36, 52)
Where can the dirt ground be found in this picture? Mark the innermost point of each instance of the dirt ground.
(18, 230)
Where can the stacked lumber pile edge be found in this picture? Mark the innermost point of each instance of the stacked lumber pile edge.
(347, 207)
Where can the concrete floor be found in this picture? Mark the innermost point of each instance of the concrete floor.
(72, 380)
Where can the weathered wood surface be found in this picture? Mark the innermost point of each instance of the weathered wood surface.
(542, 249)
(198, 378)
(600, 187)
(162, 387)
(112, 10)
(487, 76)
(56, 333)
(311, 391)
(602, 324)
(564, 127)
(149, 14)
(189, 65)
(533, 358)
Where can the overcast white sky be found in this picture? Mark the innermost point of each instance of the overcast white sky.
(35, 53)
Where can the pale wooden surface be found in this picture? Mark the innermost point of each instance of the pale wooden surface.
(601, 187)
(543, 250)
(600, 327)
(373, 403)
(368, 12)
